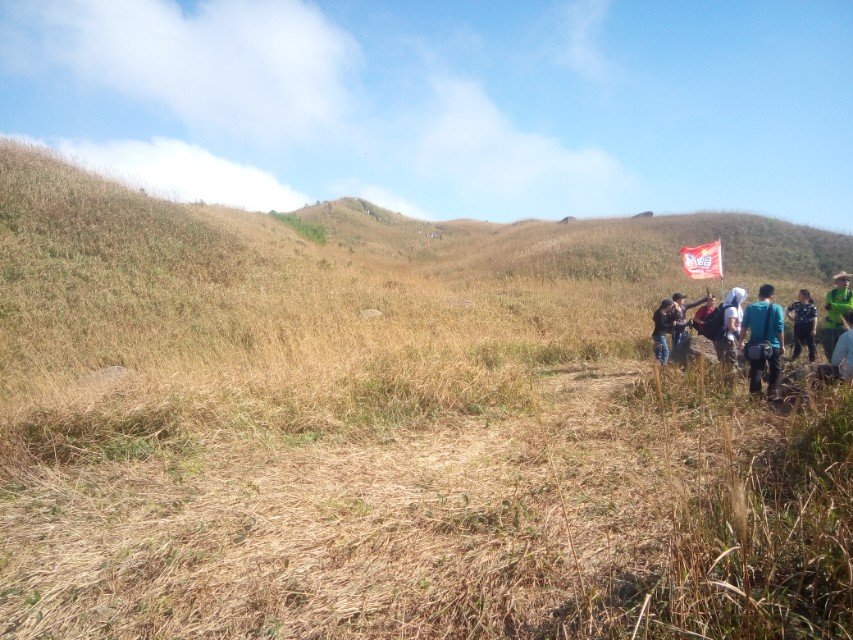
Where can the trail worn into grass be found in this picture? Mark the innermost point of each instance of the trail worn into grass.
(451, 533)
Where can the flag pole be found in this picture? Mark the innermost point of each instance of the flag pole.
(722, 288)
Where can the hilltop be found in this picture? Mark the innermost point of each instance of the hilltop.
(359, 223)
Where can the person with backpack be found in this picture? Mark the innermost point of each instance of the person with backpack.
(723, 326)
(839, 302)
(664, 322)
(765, 322)
(702, 314)
(804, 314)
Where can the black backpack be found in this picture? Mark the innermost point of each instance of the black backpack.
(715, 324)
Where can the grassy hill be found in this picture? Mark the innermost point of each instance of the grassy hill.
(619, 248)
(640, 249)
(96, 274)
(491, 456)
(361, 225)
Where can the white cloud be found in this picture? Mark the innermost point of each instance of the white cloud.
(176, 170)
(269, 69)
(580, 23)
(471, 144)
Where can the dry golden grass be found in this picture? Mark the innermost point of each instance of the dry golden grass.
(452, 532)
(487, 458)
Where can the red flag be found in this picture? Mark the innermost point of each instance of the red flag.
(704, 261)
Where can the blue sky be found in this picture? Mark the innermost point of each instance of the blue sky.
(492, 110)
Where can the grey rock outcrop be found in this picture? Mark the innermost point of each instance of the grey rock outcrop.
(692, 347)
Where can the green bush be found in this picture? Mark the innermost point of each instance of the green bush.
(308, 230)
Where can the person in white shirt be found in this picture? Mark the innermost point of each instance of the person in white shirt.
(729, 345)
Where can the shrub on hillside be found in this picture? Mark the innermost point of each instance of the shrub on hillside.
(308, 230)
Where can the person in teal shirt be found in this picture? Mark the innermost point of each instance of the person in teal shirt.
(839, 302)
(755, 319)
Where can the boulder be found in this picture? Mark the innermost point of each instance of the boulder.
(644, 214)
(107, 375)
(567, 220)
(371, 313)
(692, 347)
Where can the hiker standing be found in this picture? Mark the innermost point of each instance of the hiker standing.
(842, 355)
(663, 319)
(804, 314)
(765, 322)
(679, 329)
(839, 302)
(729, 343)
(702, 314)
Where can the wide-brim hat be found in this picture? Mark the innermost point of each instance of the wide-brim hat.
(842, 275)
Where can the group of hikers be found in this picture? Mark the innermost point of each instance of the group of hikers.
(758, 331)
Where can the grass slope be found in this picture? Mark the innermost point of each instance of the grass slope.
(81, 254)
(489, 457)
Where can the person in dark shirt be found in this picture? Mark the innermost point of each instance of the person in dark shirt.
(804, 314)
(664, 322)
(679, 329)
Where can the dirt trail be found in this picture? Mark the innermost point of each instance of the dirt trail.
(461, 528)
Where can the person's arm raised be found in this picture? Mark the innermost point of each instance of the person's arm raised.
(695, 304)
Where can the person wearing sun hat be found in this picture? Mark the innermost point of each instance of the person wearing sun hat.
(839, 302)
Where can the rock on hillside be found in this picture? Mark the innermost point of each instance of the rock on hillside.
(105, 375)
(693, 347)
